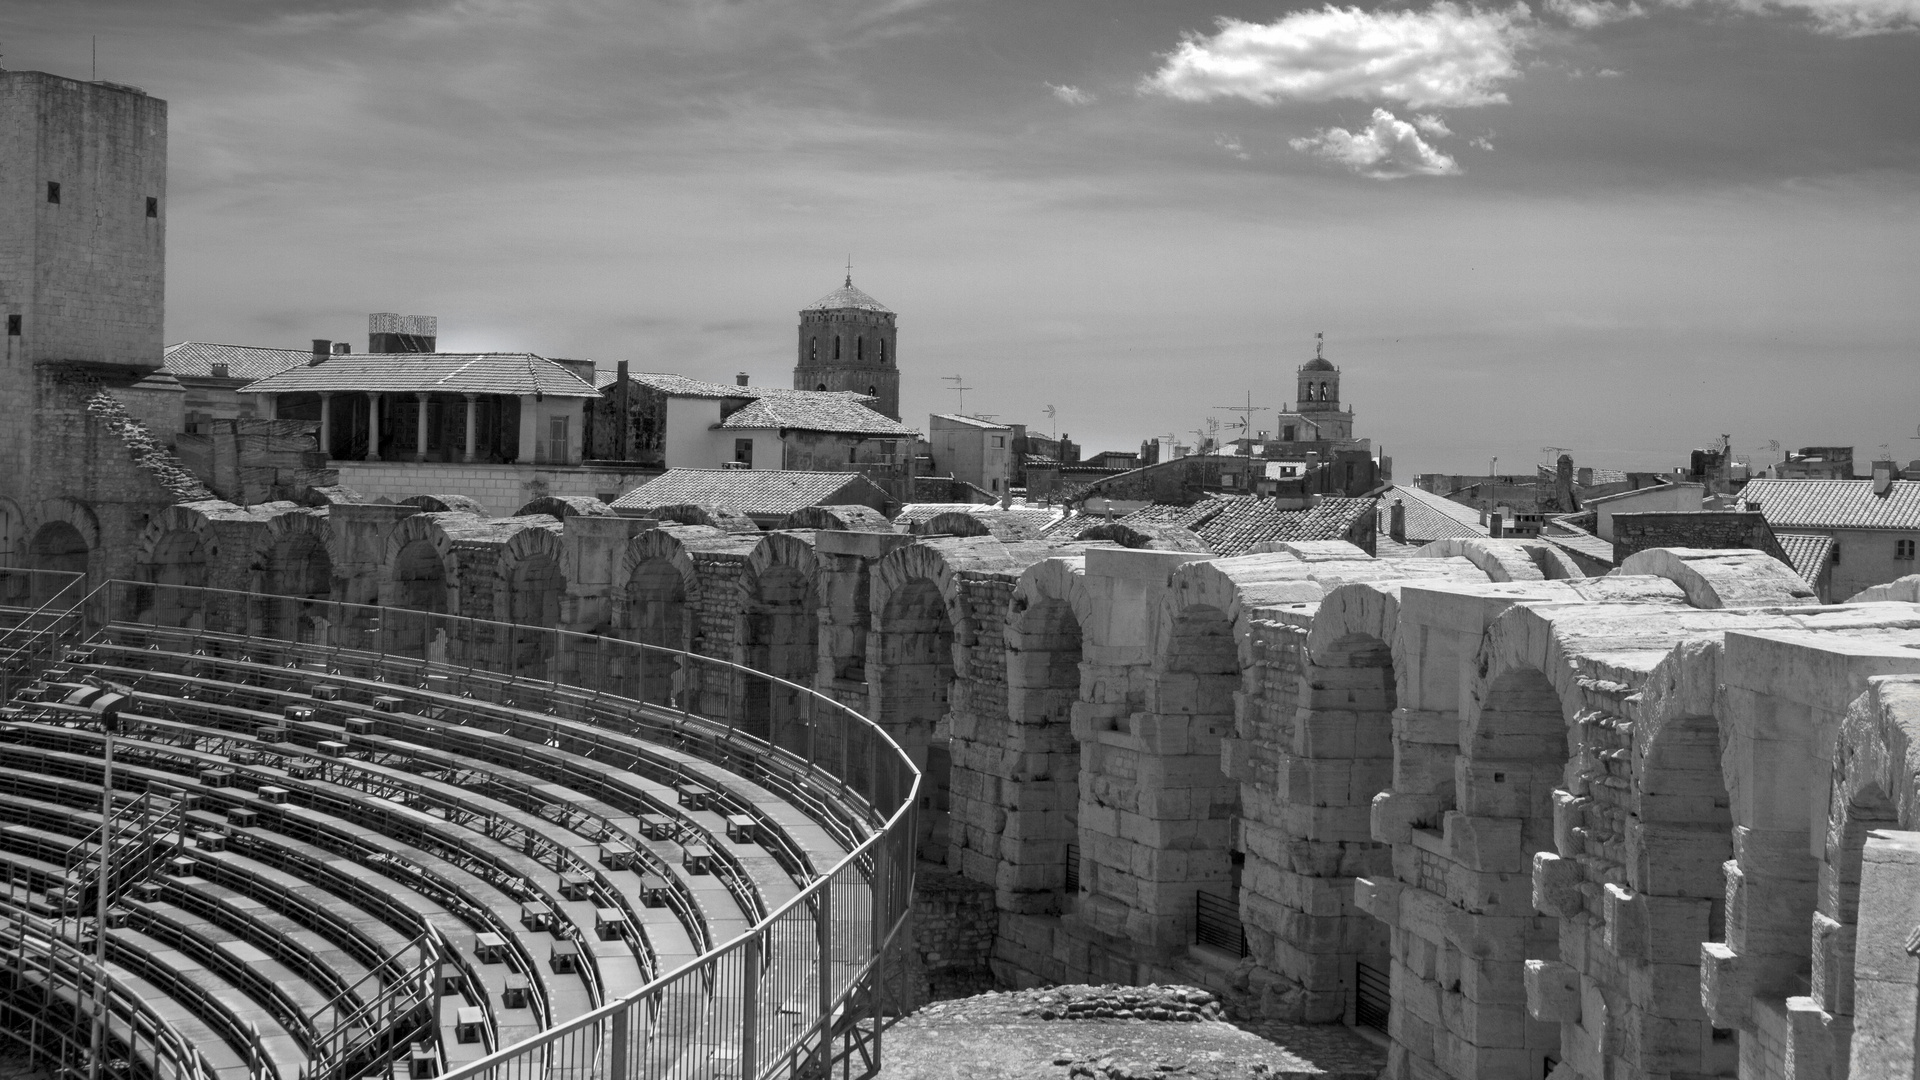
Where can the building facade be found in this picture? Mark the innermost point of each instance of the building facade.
(848, 341)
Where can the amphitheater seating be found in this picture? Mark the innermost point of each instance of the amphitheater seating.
(340, 817)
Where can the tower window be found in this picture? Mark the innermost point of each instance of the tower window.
(53, 191)
(822, 386)
(13, 326)
(859, 348)
(153, 207)
(836, 346)
(813, 348)
(873, 391)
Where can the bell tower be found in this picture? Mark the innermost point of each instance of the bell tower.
(847, 342)
(1319, 397)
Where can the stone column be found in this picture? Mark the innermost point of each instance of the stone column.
(326, 423)
(420, 428)
(373, 427)
(471, 442)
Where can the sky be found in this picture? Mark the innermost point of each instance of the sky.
(1619, 227)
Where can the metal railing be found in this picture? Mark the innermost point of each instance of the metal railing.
(1216, 923)
(801, 991)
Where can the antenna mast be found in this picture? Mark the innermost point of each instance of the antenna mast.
(956, 380)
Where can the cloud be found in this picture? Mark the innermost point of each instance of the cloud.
(1432, 125)
(1482, 142)
(1386, 149)
(1072, 95)
(1850, 18)
(1447, 55)
(1587, 14)
(1232, 145)
(1607, 73)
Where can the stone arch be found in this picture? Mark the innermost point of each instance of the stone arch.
(172, 557)
(14, 533)
(777, 631)
(654, 589)
(292, 563)
(1504, 559)
(447, 504)
(532, 598)
(853, 518)
(1156, 537)
(1715, 578)
(420, 579)
(65, 534)
(951, 523)
(723, 518)
(918, 619)
(563, 507)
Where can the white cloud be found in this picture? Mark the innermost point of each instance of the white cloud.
(1447, 55)
(1482, 142)
(1851, 18)
(1607, 73)
(1232, 145)
(1072, 95)
(1587, 14)
(1386, 149)
(1432, 125)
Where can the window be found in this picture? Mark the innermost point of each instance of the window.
(1903, 549)
(859, 348)
(13, 326)
(557, 439)
(813, 348)
(999, 441)
(153, 207)
(1286, 433)
(53, 191)
(836, 346)
(993, 484)
(743, 452)
(822, 386)
(883, 350)
(873, 391)
(1836, 553)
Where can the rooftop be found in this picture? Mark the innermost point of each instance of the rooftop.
(677, 385)
(751, 491)
(196, 359)
(971, 421)
(1808, 553)
(1429, 516)
(815, 410)
(847, 296)
(1236, 525)
(1835, 504)
(437, 373)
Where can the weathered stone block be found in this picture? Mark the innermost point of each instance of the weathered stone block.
(1552, 992)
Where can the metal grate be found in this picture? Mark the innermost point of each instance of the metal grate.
(1372, 997)
(1073, 869)
(1216, 922)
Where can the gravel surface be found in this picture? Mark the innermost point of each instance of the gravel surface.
(1114, 1033)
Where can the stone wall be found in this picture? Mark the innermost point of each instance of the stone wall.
(1693, 529)
(502, 489)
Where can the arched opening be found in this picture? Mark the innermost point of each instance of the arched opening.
(657, 613)
(177, 567)
(1175, 856)
(1347, 698)
(1515, 761)
(300, 576)
(777, 632)
(912, 649)
(420, 586)
(16, 581)
(1039, 805)
(56, 546)
(1678, 843)
(534, 592)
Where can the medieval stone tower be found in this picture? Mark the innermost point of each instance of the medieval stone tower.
(847, 341)
(1319, 399)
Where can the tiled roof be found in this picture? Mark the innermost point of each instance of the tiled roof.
(1809, 553)
(1428, 516)
(749, 491)
(848, 296)
(814, 410)
(195, 359)
(1835, 504)
(1235, 525)
(971, 421)
(677, 385)
(439, 373)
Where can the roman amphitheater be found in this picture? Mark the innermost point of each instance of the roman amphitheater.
(409, 788)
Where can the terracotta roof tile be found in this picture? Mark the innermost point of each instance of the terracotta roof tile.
(1807, 553)
(848, 296)
(439, 373)
(814, 410)
(197, 358)
(1835, 504)
(750, 491)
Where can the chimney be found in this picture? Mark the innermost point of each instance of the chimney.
(322, 347)
(1397, 522)
(1586, 475)
(1884, 473)
(741, 379)
(1493, 524)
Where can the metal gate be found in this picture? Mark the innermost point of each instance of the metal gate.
(1372, 997)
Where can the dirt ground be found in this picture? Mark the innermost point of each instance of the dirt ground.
(1003, 1036)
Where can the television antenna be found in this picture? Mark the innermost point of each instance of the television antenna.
(1245, 423)
(1556, 449)
(956, 380)
(1052, 427)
